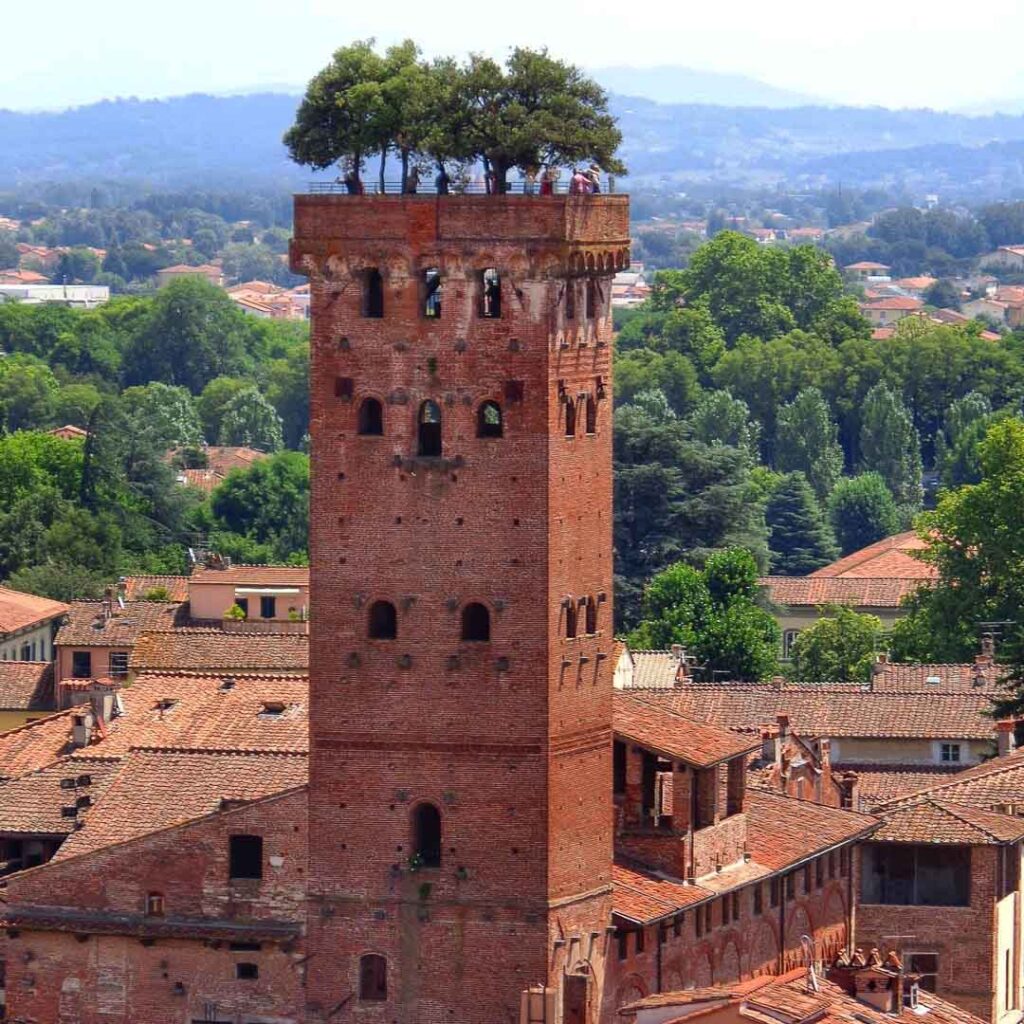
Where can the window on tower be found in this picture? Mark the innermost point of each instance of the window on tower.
(591, 414)
(490, 294)
(591, 615)
(371, 417)
(592, 298)
(426, 829)
(373, 978)
(488, 420)
(570, 299)
(432, 293)
(570, 619)
(570, 418)
(373, 293)
(429, 429)
(476, 622)
(383, 621)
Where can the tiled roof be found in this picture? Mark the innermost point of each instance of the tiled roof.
(879, 783)
(195, 711)
(654, 668)
(836, 711)
(866, 265)
(202, 479)
(643, 896)
(157, 789)
(788, 999)
(661, 729)
(896, 302)
(888, 558)
(953, 678)
(26, 686)
(87, 627)
(224, 458)
(815, 591)
(933, 819)
(51, 801)
(212, 650)
(136, 587)
(254, 576)
(782, 831)
(916, 283)
(19, 611)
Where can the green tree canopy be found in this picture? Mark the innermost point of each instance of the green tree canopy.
(799, 538)
(249, 419)
(807, 442)
(839, 648)
(862, 511)
(718, 418)
(890, 445)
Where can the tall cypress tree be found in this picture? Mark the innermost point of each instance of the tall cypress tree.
(800, 538)
(890, 446)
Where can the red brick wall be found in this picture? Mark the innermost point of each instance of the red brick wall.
(510, 739)
(80, 978)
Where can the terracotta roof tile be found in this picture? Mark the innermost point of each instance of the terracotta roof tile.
(662, 729)
(814, 591)
(137, 587)
(211, 650)
(224, 458)
(644, 896)
(817, 711)
(19, 611)
(26, 686)
(253, 576)
(880, 783)
(953, 678)
(35, 745)
(41, 802)
(782, 831)
(931, 819)
(86, 626)
(157, 789)
(896, 302)
(891, 557)
(654, 668)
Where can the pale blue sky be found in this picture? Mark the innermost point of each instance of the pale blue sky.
(941, 53)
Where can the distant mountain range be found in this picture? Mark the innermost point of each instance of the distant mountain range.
(223, 142)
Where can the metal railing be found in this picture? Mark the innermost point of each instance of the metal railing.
(455, 188)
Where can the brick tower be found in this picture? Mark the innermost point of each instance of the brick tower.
(461, 665)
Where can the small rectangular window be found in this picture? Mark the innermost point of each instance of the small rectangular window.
(81, 664)
(268, 607)
(247, 972)
(831, 863)
(807, 878)
(622, 942)
(774, 885)
(432, 293)
(951, 752)
(618, 767)
(819, 873)
(758, 899)
(927, 966)
(243, 603)
(641, 938)
(118, 664)
(790, 887)
(677, 925)
(735, 906)
(514, 390)
(699, 924)
(246, 857)
(344, 387)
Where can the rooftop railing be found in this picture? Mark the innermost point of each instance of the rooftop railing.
(455, 188)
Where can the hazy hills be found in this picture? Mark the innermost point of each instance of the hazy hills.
(231, 141)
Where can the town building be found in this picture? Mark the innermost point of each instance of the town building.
(26, 692)
(272, 597)
(866, 272)
(27, 626)
(207, 271)
(1008, 258)
(889, 310)
(78, 296)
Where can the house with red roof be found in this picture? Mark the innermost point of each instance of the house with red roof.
(27, 626)
(890, 309)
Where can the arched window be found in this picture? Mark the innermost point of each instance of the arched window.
(591, 298)
(371, 417)
(570, 299)
(591, 616)
(570, 418)
(383, 621)
(570, 620)
(426, 835)
(490, 294)
(373, 293)
(488, 420)
(432, 293)
(476, 622)
(429, 428)
(373, 978)
(591, 414)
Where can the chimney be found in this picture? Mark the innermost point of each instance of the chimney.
(825, 752)
(1006, 740)
(679, 653)
(783, 721)
(778, 682)
(988, 647)
(81, 727)
(769, 744)
(107, 604)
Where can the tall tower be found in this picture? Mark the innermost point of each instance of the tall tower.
(461, 663)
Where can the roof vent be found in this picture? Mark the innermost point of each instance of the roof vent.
(272, 709)
(227, 683)
(84, 780)
(933, 680)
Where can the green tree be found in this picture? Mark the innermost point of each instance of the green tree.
(288, 391)
(839, 648)
(643, 369)
(807, 442)
(862, 511)
(890, 446)
(9, 254)
(966, 423)
(662, 327)
(214, 400)
(943, 294)
(244, 262)
(28, 392)
(718, 418)
(77, 264)
(167, 413)
(249, 419)
(799, 537)
(713, 614)
(193, 333)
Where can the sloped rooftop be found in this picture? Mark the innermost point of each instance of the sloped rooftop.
(211, 650)
(19, 611)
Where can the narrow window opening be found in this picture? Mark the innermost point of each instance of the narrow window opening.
(570, 300)
(373, 294)
(488, 420)
(371, 417)
(570, 621)
(383, 621)
(591, 615)
(247, 972)
(591, 298)
(344, 387)
(570, 418)
(81, 664)
(373, 978)
(490, 294)
(426, 823)
(591, 415)
(429, 430)
(155, 904)
(245, 857)
(432, 293)
(476, 622)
